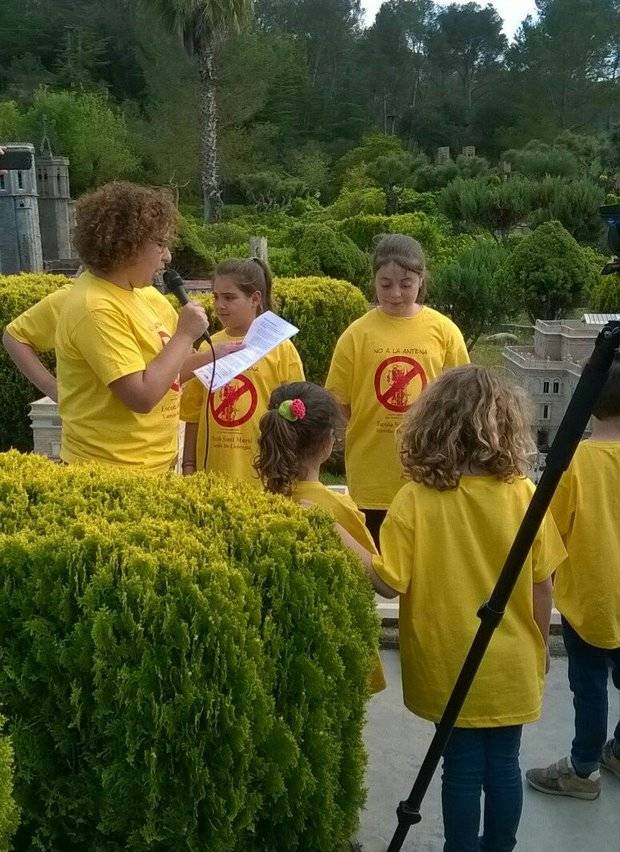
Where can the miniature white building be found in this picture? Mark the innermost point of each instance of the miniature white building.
(550, 369)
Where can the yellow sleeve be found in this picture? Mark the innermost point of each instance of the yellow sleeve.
(340, 374)
(293, 368)
(36, 327)
(563, 505)
(108, 345)
(192, 400)
(456, 351)
(548, 551)
(395, 564)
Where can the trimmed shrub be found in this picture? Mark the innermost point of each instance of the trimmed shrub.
(181, 673)
(364, 230)
(410, 201)
(550, 270)
(574, 203)
(322, 308)
(271, 191)
(321, 250)
(9, 812)
(482, 203)
(537, 160)
(471, 292)
(353, 202)
(17, 294)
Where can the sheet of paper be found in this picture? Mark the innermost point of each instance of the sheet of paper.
(266, 332)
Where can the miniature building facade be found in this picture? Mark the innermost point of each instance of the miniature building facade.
(55, 210)
(20, 235)
(550, 369)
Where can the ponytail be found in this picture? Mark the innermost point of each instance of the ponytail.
(277, 461)
(268, 288)
(301, 418)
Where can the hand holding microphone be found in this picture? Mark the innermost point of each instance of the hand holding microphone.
(193, 319)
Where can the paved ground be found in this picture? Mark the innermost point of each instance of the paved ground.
(397, 741)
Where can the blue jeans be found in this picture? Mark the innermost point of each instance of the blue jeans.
(588, 673)
(478, 759)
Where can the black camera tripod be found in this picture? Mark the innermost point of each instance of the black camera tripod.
(569, 434)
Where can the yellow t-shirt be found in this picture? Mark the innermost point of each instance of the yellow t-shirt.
(36, 327)
(236, 409)
(586, 508)
(379, 368)
(346, 513)
(103, 334)
(443, 552)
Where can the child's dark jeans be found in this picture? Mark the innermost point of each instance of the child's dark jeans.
(476, 760)
(588, 674)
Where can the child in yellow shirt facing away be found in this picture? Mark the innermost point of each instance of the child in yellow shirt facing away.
(297, 436)
(586, 508)
(241, 291)
(381, 364)
(465, 445)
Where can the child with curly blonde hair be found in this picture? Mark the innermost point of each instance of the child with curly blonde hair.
(466, 445)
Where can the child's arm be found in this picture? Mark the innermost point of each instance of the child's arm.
(542, 602)
(366, 559)
(189, 448)
(28, 362)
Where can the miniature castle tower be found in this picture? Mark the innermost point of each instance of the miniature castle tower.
(54, 204)
(20, 237)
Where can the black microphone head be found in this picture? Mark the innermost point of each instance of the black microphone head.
(174, 284)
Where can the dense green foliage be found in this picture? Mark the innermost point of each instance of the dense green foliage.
(549, 272)
(17, 294)
(188, 672)
(304, 83)
(9, 813)
(470, 290)
(320, 307)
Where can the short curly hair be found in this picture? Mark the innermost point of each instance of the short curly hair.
(116, 221)
(471, 418)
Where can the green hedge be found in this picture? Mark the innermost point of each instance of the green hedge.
(9, 813)
(17, 294)
(321, 308)
(184, 664)
(322, 250)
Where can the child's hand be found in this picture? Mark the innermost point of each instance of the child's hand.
(222, 349)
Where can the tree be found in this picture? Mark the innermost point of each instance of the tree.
(472, 293)
(86, 127)
(393, 52)
(550, 271)
(568, 60)
(203, 25)
(468, 40)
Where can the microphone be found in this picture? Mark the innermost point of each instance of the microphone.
(175, 285)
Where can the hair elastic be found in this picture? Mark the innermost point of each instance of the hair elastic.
(292, 410)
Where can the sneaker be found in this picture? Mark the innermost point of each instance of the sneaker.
(609, 759)
(560, 779)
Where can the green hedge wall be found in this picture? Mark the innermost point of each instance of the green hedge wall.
(321, 308)
(9, 813)
(17, 294)
(184, 664)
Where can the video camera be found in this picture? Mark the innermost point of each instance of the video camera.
(610, 214)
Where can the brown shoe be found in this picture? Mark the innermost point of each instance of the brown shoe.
(560, 779)
(609, 759)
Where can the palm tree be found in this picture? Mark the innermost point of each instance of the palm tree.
(202, 25)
